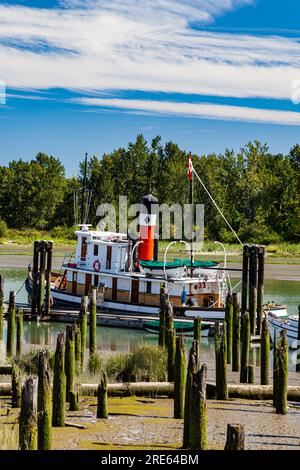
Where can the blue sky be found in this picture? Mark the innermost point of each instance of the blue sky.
(89, 75)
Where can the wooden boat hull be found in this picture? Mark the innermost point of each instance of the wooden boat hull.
(185, 328)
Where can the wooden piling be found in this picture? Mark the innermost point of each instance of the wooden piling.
(221, 365)
(298, 354)
(282, 380)
(70, 359)
(102, 412)
(253, 287)
(93, 321)
(171, 353)
(74, 401)
(16, 387)
(275, 370)
(198, 430)
(250, 374)
(192, 369)
(41, 284)
(28, 415)
(229, 326)
(49, 246)
(245, 278)
(236, 333)
(265, 353)
(235, 437)
(197, 337)
(11, 324)
(179, 379)
(19, 322)
(77, 346)
(162, 320)
(245, 334)
(83, 325)
(35, 275)
(44, 403)
(1, 306)
(260, 288)
(59, 383)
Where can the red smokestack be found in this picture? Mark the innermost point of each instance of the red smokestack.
(147, 228)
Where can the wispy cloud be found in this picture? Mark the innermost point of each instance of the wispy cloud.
(203, 110)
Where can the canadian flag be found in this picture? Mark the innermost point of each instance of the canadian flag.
(190, 167)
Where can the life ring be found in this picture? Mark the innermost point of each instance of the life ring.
(97, 265)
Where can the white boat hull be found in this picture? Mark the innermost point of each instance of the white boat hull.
(289, 325)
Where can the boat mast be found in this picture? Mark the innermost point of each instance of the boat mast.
(191, 179)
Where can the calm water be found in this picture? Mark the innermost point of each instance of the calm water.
(122, 340)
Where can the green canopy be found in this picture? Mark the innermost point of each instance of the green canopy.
(177, 263)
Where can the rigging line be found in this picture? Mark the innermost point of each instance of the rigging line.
(216, 205)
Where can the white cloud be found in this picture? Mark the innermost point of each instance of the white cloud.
(203, 110)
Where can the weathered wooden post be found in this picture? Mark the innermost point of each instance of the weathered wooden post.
(28, 416)
(235, 437)
(11, 324)
(298, 346)
(77, 346)
(44, 403)
(102, 412)
(245, 278)
(283, 363)
(59, 383)
(1, 306)
(236, 333)
(16, 387)
(171, 353)
(70, 359)
(93, 321)
(74, 401)
(253, 288)
(192, 369)
(260, 287)
(19, 322)
(275, 370)
(245, 333)
(265, 353)
(229, 326)
(162, 318)
(221, 365)
(179, 379)
(49, 246)
(198, 437)
(41, 286)
(35, 276)
(197, 337)
(83, 314)
(250, 374)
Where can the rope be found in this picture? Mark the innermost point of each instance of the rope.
(216, 205)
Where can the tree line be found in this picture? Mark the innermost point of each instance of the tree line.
(259, 192)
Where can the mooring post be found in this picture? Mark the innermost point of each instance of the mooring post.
(197, 337)
(275, 370)
(250, 374)
(83, 314)
(28, 415)
(192, 369)
(77, 346)
(162, 318)
(74, 401)
(16, 387)
(198, 437)
(282, 380)
(236, 333)
(171, 353)
(44, 403)
(245, 334)
(41, 288)
(253, 287)
(298, 348)
(11, 324)
(1, 306)
(19, 322)
(265, 353)
(221, 365)
(70, 359)
(245, 278)
(179, 379)
(235, 437)
(229, 326)
(260, 287)
(102, 412)
(59, 383)
(93, 321)
(35, 276)
(49, 246)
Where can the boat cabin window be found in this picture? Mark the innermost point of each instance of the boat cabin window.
(96, 250)
(83, 249)
(108, 257)
(148, 287)
(96, 280)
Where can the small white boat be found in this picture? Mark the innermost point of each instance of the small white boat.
(288, 324)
